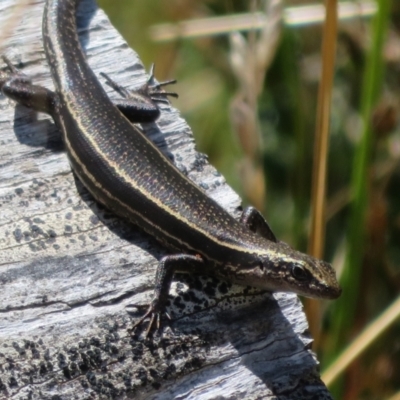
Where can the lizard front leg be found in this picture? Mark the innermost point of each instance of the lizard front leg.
(167, 266)
(254, 220)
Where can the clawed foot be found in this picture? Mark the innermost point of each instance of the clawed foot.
(10, 66)
(155, 90)
(155, 320)
(13, 72)
(150, 90)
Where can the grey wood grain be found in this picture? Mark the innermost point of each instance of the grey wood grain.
(72, 275)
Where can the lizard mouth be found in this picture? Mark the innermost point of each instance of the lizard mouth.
(327, 292)
(334, 293)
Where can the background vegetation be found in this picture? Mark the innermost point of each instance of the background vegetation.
(268, 159)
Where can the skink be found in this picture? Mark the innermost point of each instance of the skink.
(127, 173)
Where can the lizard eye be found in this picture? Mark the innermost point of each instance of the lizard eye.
(300, 273)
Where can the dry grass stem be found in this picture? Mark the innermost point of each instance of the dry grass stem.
(292, 16)
(317, 233)
(250, 58)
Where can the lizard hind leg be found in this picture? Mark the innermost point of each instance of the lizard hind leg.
(19, 87)
(140, 105)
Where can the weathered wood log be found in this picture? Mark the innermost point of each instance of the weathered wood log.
(72, 274)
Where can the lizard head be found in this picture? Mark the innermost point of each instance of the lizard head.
(286, 270)
(311, 277)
